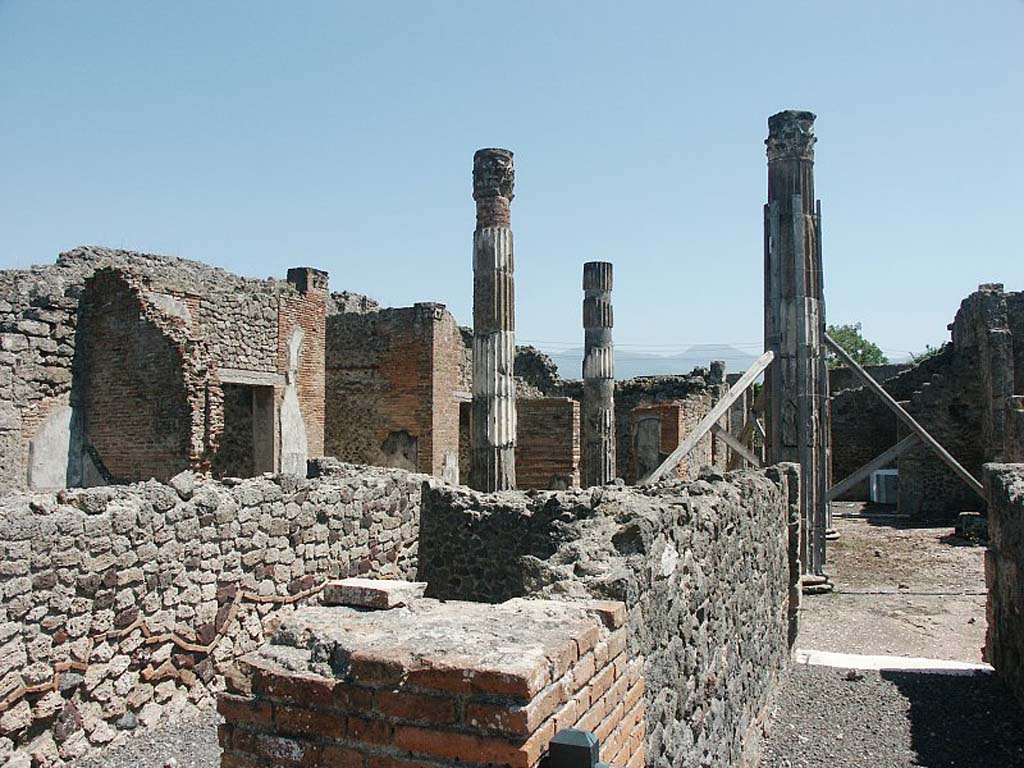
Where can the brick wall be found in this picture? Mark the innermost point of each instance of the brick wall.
(307, 310)
(1004, 573)
(862, 427)
(136, 382)
(697, 389)
(708, 570)
(232, 321)
(393, 371)
(548, 443)
(121, 604)
(444, 684)
(678, 419)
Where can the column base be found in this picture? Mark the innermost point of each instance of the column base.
(815, 585)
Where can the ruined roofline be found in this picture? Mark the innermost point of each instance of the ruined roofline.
(161, 272)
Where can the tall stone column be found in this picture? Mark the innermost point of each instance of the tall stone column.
(598, 375)
(797, 410)
(493, 422)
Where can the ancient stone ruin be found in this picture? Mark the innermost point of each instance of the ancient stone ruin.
(378, 539)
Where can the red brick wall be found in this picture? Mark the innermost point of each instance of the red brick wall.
(391, 371)
(139, 407)
(548, 443)
(381, 715)
(308, 312)
(678, 419)
(448, 389)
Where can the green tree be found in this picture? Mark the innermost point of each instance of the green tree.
(860, 349)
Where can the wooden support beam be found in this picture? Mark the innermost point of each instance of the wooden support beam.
(906, 418)
(718, 411)
(878, 462)
(735, 444)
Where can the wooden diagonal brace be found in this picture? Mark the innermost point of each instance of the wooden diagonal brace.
(876, 463)
(735, 444)
(718, 411)
(906, 418)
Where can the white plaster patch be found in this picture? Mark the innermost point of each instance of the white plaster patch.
(669, 560)
(48, 451)
(895, 663)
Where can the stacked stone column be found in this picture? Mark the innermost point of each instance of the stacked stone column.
(797, 413)
(493, 420)
(598, 375)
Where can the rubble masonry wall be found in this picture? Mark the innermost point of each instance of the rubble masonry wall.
(705, 569)
(121, 603)
(1004, 573)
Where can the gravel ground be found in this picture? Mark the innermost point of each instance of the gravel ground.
(893, 720)
(190, 739)
(901, 590)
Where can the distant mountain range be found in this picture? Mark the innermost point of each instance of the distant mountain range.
(629, 364)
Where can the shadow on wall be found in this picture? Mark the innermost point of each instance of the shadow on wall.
(961, 720)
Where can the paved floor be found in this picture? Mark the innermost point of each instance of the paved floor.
(901, 590)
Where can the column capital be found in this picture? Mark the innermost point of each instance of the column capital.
(493, 173)
(791, 136)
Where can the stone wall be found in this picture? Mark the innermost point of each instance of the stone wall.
(226, 327)
(548, 443)
(964, 397)
(1004, 573)
(708, 571)
(121, 603)
(844, 378)
(394, 379)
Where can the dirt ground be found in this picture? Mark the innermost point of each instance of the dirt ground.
(901, 590)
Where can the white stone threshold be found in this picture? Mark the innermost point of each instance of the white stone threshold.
(893, 663)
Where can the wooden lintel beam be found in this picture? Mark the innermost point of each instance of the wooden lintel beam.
(735, 444)
(906, 418)
(878, 462)
(718, 411)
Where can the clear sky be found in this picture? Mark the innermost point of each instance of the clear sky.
(263, 135)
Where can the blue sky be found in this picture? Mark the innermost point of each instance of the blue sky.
(263, 135)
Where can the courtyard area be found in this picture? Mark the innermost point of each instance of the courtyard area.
(902, 590)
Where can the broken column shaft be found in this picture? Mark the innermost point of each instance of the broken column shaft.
(598, 375)
(493, 422)
(797, 414)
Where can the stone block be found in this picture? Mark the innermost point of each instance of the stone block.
(379, 594)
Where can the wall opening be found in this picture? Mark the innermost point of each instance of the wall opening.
(247, 443)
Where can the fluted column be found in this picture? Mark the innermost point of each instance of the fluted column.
(493, 425)
(598, 375)
(797, 414)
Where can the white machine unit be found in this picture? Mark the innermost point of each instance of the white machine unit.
(884, 486)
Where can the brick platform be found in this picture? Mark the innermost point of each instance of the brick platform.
(433, 684)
